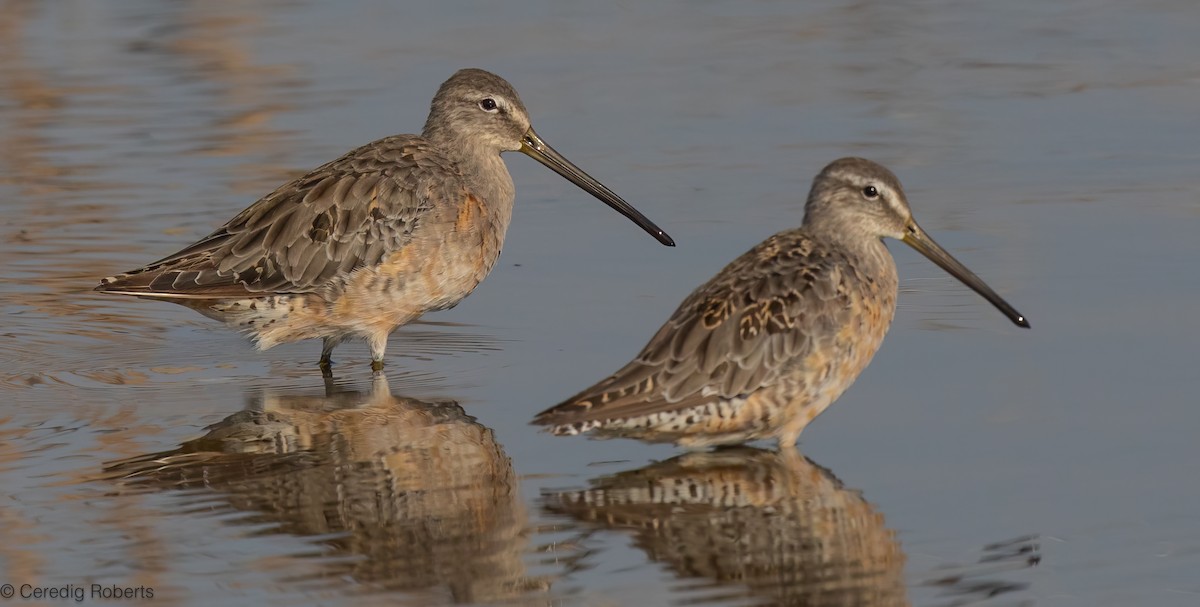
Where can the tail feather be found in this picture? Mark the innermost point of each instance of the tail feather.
(178, 280)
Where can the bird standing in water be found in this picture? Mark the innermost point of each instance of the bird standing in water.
(371, 241)
(776, 336)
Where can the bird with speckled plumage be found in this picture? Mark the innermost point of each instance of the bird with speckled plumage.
(370, 241)
(776, 336)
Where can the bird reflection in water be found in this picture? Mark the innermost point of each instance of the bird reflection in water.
(772, 523)
(772, 528)
(419, 493)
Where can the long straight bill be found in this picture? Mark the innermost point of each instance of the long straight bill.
(533, 146)
(916, 238)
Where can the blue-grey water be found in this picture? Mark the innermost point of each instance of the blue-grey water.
(1050, 146)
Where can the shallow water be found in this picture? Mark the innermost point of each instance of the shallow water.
(1049, 146)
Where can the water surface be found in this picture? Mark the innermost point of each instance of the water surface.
(1049, 146)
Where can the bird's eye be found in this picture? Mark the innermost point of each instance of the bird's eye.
(870, 192)
(488, 104)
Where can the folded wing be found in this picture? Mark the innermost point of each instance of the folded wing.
(346, 214)
(757, 318)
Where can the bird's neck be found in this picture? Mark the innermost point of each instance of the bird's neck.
(855, 242)
(843, 231)
(481, 167)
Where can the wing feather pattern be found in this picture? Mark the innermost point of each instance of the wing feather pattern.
(349, 213)
(753, 321)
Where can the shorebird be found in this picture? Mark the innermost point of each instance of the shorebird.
(776, 336)
(371, 241)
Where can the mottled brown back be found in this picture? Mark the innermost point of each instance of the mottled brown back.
(346, 214)
(739, 332)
